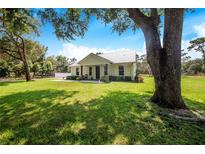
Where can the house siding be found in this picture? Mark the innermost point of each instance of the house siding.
(93, 60)
(73, 70)
(113, 70)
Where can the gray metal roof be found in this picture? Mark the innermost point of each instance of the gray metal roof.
(116, 57)
(120, 57)
(74, 64)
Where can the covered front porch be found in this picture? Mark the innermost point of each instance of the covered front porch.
(90, 72)
(94, 67)
(96, 72)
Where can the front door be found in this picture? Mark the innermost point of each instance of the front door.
(97, 68)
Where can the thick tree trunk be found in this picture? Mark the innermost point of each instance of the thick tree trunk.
(25, 64)
(165, 62)
(24, 59)
(34, 74)
(203, 57)
(27, 70)
(168, 83)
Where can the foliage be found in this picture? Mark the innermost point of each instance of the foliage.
(78, 78)
(15, 25)
(36, 68)
(49, 67)
(128, 78)
(36, 52)
(71, 23)
(4, 68)
(39, 64)
(185, 57)
(119, 18)
(105, 79)
(68, 23)
(142, 65)
(198, 45)
(112, 78)
(35, 57)
(73, 77)
(61, 64)
(195, 68)
(139, 79)
(203, 69)
(120, 78)
(48, 112)
(192, 67)
(71, 61)
(18, 70)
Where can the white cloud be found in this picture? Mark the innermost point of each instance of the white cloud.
(193, 54)
(71, 50)
(185, 44)
(200, 29)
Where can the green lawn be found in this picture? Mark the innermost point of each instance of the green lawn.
(48, 112)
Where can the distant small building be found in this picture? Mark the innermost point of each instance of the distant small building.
(62, 75)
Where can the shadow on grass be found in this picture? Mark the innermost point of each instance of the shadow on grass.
(6, 83)
(195, 105)
(38, 117)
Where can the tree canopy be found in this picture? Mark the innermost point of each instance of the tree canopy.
(198, 45)
(15, 25)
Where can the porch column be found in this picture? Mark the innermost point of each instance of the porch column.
(133, 70)
(81, 70)
(107, 69)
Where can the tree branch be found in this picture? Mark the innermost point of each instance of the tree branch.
(22, 41)
(155, 16)
(154, 12)
(138, 16)
(6, 51)
(11, 37)
(141, 19)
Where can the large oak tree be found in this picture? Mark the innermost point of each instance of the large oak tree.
(15, 25)
(164, 58)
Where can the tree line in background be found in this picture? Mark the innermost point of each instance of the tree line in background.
(38, 63)
(19, 54)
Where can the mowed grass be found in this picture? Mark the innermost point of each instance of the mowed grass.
(48, 112)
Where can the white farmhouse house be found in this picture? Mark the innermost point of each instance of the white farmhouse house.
(94, 66)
